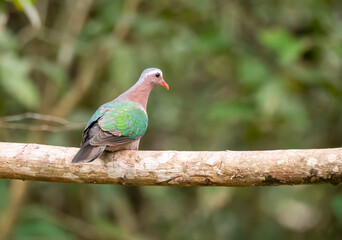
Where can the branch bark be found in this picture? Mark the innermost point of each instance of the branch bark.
(173, 168)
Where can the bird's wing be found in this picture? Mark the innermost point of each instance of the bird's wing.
(122, 122)
(88, 131)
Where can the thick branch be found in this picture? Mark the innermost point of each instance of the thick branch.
(176, 168)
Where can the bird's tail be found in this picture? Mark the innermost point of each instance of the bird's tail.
(88, 153)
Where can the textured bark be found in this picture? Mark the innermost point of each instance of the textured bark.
(173, 168)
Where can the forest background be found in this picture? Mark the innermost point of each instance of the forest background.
(243, 75)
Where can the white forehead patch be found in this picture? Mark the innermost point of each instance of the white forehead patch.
(154, 72)
(148, 72)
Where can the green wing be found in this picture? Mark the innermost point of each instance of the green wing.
(123, 118)
(99, 113)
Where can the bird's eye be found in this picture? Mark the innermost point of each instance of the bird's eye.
(157, 75)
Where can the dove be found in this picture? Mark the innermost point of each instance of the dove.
(120, 124)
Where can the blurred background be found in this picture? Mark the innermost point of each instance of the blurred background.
(243, 75)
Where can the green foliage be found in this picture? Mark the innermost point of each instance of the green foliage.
(243, 75)
(7, 42)
(285, 46)
(39, 224)
(52, 71)
(3, 188)
(15, 81)
(336, 205)
(21, 4)
(253, 72)
(232, 112)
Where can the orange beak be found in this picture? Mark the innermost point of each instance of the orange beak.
(165, 84)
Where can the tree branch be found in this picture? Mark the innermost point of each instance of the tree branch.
(173, 168)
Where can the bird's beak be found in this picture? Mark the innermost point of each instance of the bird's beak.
(165, 84)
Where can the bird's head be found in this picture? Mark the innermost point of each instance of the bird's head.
(153, 76)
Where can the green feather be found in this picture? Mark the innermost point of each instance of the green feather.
(124, 116)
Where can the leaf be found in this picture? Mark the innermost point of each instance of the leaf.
(15, 80)
(286, 47)
(270, 96)
(19, 3)
(30, 10)
(252, 72)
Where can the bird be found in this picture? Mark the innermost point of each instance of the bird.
(120, 123)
